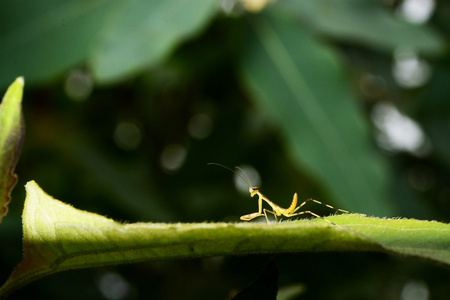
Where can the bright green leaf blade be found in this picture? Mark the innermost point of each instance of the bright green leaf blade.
(426, 239)
(300, 83)
(11, 137)
(365, 22)
(142, 33)
(59, 237)
(43, 39)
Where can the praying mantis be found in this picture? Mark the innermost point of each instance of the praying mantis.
(277, 211)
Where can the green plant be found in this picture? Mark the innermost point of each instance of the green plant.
(180, 85)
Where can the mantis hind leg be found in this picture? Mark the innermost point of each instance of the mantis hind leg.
(321, 203)
(313, 214)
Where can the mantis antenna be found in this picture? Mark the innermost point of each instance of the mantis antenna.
(246, 179)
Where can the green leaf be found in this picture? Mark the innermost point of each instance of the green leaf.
(43, 39)
(11, 138)
(142, 33)
(365, 22)
(58, 237)
(301, 85)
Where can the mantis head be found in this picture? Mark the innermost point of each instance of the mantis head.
(253, 190)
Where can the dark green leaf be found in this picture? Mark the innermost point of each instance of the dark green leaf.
(42, 39)
(365, 22)
(300, 83)
(141, 33)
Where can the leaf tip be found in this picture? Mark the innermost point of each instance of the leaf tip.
(20, 80)
(30, 184)
(32, 187)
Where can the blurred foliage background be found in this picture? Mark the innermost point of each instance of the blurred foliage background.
(345, 101)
